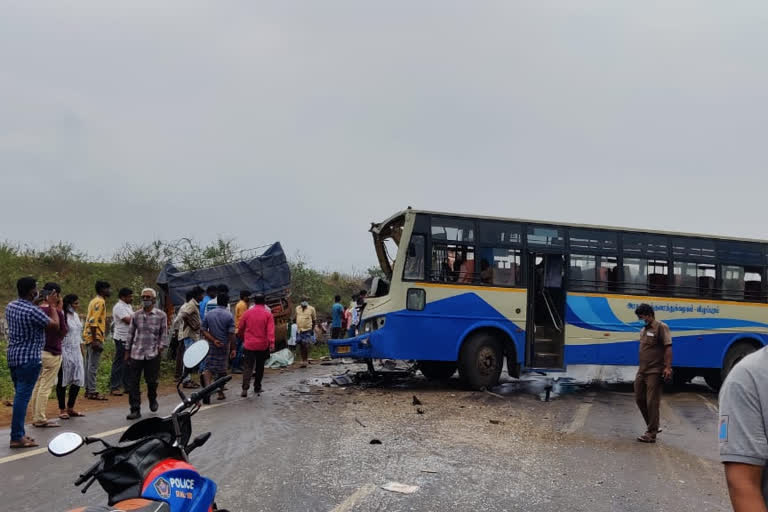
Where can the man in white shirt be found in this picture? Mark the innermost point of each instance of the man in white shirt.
(121, 320)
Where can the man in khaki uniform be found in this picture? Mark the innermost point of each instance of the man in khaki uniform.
(655, 364)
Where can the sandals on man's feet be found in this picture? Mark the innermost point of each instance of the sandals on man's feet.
(96, 396)
(64, 416)
(647, 438)
(46, 424)
(24, 442)
(75, 414)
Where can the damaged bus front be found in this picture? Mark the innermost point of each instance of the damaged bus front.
(410, 315)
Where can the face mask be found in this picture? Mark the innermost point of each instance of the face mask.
(147, 303)
(304, 304)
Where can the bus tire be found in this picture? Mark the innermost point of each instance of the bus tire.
(713, 380)
(480, 361)
(437, 370)
(736, 353)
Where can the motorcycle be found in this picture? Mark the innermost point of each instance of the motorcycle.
(149, 470)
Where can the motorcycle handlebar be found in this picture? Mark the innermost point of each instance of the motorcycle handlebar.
(206, 391)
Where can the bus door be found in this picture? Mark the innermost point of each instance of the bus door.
(546, 311)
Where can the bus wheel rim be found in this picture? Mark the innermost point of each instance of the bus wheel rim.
(486, 360)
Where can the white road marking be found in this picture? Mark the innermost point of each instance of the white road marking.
(709, 404)
(579, 419)
(355, 498)
(39, 451)
(23, 455)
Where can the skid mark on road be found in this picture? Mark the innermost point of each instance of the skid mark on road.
(580, 418)
(355, 498)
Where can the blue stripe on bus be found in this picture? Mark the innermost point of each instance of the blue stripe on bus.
(594, 313)
(436, 333)
(697, 351)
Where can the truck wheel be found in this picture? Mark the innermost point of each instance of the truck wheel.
(480, 361)
(437, 370)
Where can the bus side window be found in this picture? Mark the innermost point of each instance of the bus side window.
(453, 263)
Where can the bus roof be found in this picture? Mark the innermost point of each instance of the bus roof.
(572, 225)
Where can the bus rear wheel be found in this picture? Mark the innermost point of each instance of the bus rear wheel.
(437, 370)
(735, 354)
(481, 361)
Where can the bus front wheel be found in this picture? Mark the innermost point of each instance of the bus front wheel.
(437, 370)
(480, 361)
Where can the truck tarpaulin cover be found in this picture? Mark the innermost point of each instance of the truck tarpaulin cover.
(266, 274)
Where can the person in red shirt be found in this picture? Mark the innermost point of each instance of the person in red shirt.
(257, 327)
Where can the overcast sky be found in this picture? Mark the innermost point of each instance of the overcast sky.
(305, 121)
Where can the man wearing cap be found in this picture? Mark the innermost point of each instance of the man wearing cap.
(147, 337)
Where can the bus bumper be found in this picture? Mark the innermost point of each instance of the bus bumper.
(359, 347)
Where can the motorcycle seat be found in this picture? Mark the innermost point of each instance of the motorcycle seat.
(133, 505)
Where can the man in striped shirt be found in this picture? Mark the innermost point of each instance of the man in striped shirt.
(147, 337)
(26, 337)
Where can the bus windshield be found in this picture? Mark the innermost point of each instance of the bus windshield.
(386, 239)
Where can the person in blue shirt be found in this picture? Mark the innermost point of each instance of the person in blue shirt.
(337, 313)
(210, 293)
(26, 337)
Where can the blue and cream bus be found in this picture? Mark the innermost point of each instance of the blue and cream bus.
(469, 293)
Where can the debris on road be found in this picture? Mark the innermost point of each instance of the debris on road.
(419, 410)
(375, 441)
(360, 423)
(416, 401)
(280, 359)
(343, 380)
(400, 488)
(389, 364)
(495, 422)
(430, 471)
(494, 394)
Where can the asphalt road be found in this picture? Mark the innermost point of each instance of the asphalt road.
(307, 448)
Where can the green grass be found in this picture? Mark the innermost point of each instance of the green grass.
(103, 376)
(318, 351)
(63, 264)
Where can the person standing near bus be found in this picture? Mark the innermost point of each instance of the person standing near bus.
(655, 364)
(337, 314)
(306, 319)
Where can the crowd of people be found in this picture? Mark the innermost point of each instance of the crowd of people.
(49, 346)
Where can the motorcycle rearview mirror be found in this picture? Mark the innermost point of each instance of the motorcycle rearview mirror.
(195, 353)
(65, 443)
